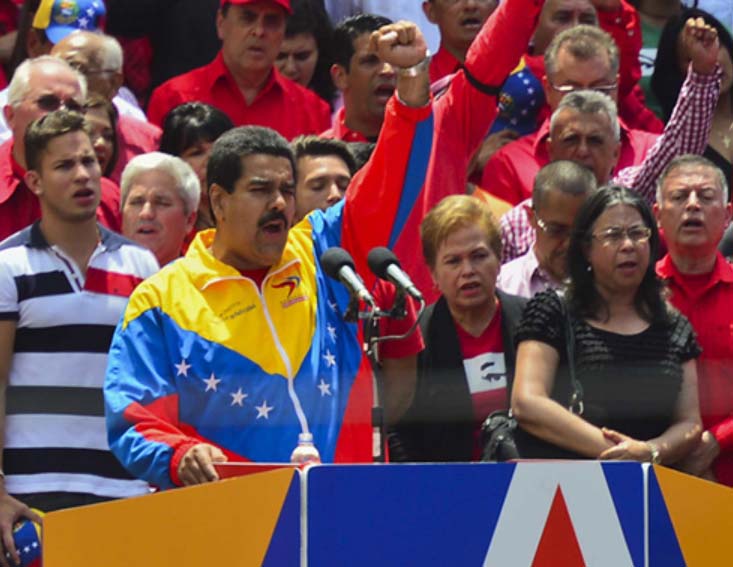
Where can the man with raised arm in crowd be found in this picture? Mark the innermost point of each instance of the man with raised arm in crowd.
(260, 354)
(599, 144)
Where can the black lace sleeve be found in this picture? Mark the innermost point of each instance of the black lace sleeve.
(683, 338)
(543, 321)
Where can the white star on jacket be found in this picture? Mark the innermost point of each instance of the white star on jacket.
(330, 359)
(212, 382)
(182, 368)
(264, 410)
(331, 331)
(238, 398)
(324, 388)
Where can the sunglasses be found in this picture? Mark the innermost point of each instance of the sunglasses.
(51, 102)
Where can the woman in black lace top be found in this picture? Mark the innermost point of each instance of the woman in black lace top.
(634, 354)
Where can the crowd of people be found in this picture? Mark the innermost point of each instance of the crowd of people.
(170, 176)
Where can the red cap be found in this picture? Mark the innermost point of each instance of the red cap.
(284, 4)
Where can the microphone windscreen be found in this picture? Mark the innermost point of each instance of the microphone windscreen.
(333, 259)
(379, 259)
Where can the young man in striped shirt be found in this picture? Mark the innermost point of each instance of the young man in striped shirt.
(64, 282)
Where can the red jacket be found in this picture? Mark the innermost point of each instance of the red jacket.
(463, 116)
(281, 104)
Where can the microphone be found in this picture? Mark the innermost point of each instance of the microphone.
(338, 264)
(385, 265)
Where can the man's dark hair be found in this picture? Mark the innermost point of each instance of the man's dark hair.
(225, 162)
(564, 176)
(40, 133)
(191, 123)
(349, 30)
(316, 146)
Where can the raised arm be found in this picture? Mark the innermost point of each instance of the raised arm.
(688, 129)
(383, 193)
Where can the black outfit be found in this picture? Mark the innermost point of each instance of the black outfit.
(631, 383)
(182, 32)
(440, 423)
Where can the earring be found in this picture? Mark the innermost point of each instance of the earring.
(589, 268)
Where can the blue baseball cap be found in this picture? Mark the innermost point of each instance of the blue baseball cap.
(58, 18)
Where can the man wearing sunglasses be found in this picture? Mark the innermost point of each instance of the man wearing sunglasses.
(586, 57)
(39, 86)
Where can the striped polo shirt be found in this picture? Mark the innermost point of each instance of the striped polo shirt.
(55, 435)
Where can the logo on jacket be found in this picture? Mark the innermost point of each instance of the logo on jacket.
(291, 283)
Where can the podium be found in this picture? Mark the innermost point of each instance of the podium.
(533, 514)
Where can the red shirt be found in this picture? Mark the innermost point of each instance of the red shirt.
(510, 172)
(485, 369)
(281, 104)
(443, 63)
(340, 131)
(707, 301)
(19, 207)
(135, 137)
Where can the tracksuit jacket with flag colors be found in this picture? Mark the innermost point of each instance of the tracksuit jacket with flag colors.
(204, 355)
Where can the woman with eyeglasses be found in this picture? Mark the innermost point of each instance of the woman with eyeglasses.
(634, 354)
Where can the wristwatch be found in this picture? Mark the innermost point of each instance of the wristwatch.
(656, 457)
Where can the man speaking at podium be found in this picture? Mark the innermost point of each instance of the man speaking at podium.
(234, 350)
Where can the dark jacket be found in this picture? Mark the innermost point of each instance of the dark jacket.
(440, 425)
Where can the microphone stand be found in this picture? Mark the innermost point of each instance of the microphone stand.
(371, 317)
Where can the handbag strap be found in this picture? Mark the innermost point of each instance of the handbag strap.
(576, 397)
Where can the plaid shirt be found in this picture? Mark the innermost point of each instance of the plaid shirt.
(686, 132)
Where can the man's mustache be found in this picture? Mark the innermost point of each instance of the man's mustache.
(272, 216)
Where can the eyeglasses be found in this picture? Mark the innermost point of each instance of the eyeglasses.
(615, 235)
(553, 230)
(51, 102)
(565, 89)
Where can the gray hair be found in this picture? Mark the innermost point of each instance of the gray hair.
(186, 181)
(692, 160)
(20, 84)
(589, 102)
(582, 42)
(565, 176)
